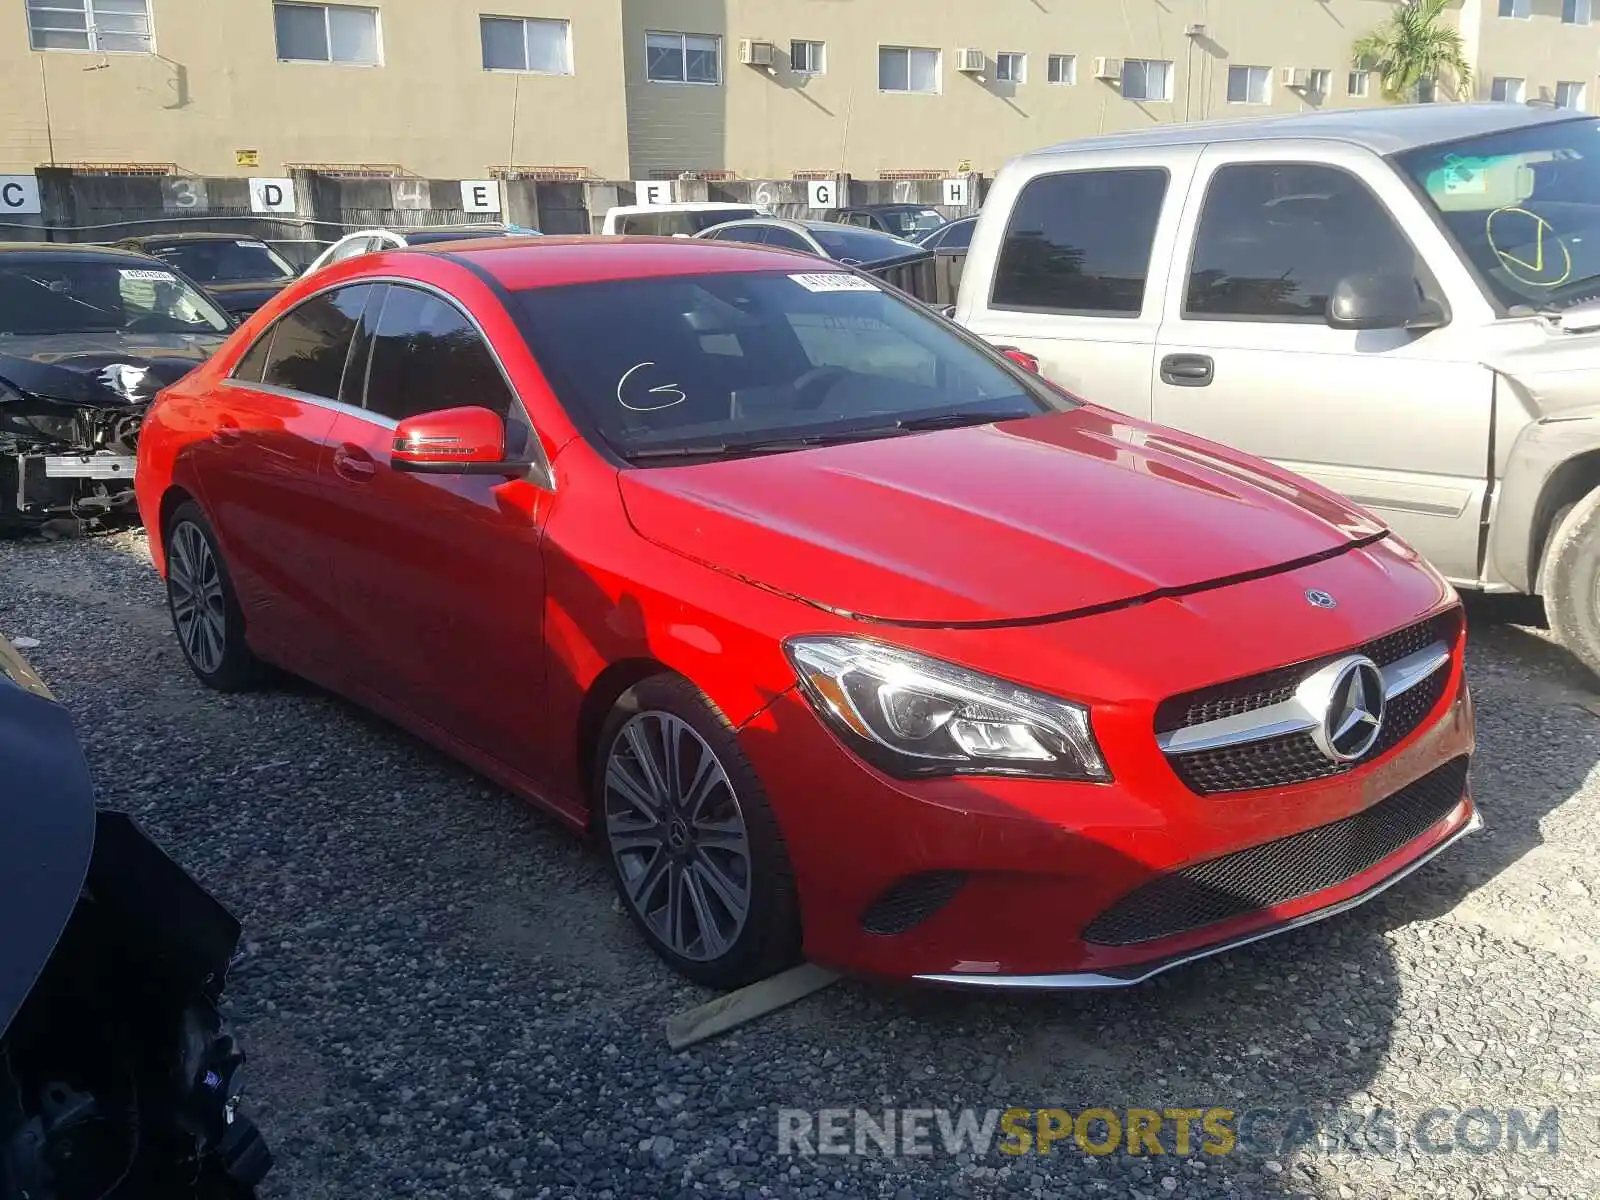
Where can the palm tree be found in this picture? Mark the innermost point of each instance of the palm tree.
(1415, 44)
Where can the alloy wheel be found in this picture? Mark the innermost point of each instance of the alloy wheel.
(678, 836)
(194, 589)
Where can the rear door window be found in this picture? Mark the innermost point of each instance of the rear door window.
(310, 345)
(1080, 242)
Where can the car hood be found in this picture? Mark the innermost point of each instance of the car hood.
(101, 369)
(1026, 520)
(246, 296)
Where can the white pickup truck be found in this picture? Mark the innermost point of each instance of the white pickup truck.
(1401, 304)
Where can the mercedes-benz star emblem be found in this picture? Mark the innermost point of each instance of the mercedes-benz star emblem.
(1320, 599)
(1349, 697)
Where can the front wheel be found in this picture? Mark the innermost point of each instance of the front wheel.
(695, 850)
(1571, 581)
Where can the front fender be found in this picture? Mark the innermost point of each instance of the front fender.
(1552, 463)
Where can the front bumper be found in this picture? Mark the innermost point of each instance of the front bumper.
(1018, 870)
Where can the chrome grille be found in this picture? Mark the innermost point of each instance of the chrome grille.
(1294, 757)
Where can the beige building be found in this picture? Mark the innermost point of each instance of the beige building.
(640, 88)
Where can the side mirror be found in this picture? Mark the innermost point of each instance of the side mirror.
(1382, 301)
(453, 441)
(1021, 357)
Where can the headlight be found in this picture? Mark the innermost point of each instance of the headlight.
(912, 715)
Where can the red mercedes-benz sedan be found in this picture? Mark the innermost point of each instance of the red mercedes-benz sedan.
(844, 633)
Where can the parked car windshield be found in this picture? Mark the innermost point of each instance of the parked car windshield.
(911, 222)
(1523, 206)
(241, 261)
(851, 245)
(722, 364)
(87, 296)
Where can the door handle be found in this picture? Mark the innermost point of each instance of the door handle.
(1188, 370)
(354, 463)
(227, 431)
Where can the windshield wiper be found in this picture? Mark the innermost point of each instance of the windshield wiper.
(773, 445)
(955, 420)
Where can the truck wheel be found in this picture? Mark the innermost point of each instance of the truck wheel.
(1570, 581)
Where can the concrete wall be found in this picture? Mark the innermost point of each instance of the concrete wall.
(1540, 50)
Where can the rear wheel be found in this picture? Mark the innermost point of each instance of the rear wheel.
(696, 853)
(1571, 581)
(205, 612)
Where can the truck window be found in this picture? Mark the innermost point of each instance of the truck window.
(1080, 241)
(1275, 239)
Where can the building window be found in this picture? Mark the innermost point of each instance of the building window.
(807, 58)
(1064, 68)
(1576, 12)
(1521, 10)
(109, 26)
(1359, 84)
(1571, 95)
(526, 44)
(1249, 85)
(907, 69)
(1507, 90)
(336, 33)
(1146, 79)
(1010, 67)
(682, 58)
(1319, 83)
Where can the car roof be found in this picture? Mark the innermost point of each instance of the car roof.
(521, 263)
(703, 206)
(805, 225)
(191, 237)
(1391, 130)
(45, 251)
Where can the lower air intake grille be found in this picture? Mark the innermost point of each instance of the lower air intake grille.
(1277, 872)
(911, 901)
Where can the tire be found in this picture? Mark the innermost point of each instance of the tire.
(681, 853)
(1570, 581)
(198, 582)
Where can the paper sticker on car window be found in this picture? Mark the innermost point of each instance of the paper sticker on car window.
(834, 281)
(144, 276)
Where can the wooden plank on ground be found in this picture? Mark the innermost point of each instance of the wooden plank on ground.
(745, 1005)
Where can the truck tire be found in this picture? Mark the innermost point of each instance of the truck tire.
(1570, 581)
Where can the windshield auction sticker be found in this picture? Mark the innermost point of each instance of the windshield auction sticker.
(149, 276)
(833, 281)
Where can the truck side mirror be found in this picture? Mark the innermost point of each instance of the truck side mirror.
(1383, 301)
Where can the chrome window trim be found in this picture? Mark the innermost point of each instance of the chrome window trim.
(540, 473)
(1291, 716)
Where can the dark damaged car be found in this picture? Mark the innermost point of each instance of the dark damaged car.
(88, 336)
(118, 1075)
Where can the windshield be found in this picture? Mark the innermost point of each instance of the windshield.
(909, 222)
(850, 245)
(718, 364)
(1523, 206)
(242, 261)
(88, 296)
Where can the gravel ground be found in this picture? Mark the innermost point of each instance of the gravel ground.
(439, 998)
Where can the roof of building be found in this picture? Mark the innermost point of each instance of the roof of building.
(1389, 130)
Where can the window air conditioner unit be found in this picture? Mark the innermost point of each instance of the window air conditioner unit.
(1108, 68)
(757, 54)
(970, 61)
(1294, 77)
